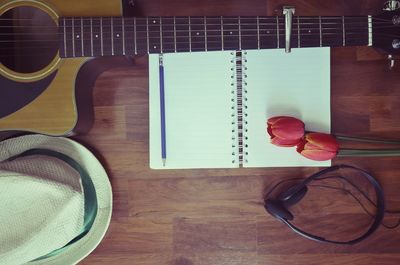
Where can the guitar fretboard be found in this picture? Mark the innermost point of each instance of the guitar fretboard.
(107, 36)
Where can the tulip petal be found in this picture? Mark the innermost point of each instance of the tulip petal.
(323, 141)
(269, 130)
(318, 155)
(284, 142)
(275, 119)
(301, 145)
(310, 146)
(288, 128)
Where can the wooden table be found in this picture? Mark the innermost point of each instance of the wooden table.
(193, 217)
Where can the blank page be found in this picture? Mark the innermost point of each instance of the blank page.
(295, 84)
(199, 89)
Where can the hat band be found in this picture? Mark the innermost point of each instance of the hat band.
(88, 190)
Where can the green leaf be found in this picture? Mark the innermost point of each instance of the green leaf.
(368, 152)
(366, 140)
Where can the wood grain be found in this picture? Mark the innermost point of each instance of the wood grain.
(192, 217)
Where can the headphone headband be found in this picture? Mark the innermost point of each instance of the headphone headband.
(271, 205)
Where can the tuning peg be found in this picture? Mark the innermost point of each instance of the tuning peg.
(391, 61)
(391, 5)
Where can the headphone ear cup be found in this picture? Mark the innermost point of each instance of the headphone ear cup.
(295, 197)
(277, 209)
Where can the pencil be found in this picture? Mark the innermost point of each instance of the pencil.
(162, 112)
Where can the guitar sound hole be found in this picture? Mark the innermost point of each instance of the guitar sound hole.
(29, 39)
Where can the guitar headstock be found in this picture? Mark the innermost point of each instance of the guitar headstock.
(386, 31)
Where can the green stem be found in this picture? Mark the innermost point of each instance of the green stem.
(366, 140)
(368, 152)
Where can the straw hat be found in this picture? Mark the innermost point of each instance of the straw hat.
(55, 201)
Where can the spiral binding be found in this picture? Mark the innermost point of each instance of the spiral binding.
(235, 107)
(239, 108)
(245, 146)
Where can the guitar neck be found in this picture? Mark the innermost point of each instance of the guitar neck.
(108, 36)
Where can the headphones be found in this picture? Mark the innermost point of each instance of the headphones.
(279, 206)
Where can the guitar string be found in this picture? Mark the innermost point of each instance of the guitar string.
(228, 33)
(207, 17)
(179, 48)
(56, 30)
(209, 24)
(249, 38)
(303, 32)
(201, 27)
(253, 36)
(193, 32)
(295, 22)
(272, 36)
(218, 21)
(216, 39)
(295, 32)
(273, 18)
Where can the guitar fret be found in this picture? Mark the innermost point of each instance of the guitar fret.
(147, 34)
(205, 34)
(190, 36)
(83, 49)
(101, 36)
(175, 33)
(298, 32)
(91, 36)
(240, 36)
(320, 32)
(344, 32)
(123, 36)
(277, 31)
(73, 37)
(65, 38)
(134, 34)
(161, 36)
(222, 34)
(369, 30)
(258, 32)
(112, 36)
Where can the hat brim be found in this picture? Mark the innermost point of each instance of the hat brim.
(82, 248)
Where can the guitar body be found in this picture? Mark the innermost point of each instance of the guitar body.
(44, 101)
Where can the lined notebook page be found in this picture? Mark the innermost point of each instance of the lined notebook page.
(199, 89)
(295, 84)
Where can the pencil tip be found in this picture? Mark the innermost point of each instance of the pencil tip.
(163, 161)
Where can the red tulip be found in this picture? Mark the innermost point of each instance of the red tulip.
(285, 131)
(318, 146)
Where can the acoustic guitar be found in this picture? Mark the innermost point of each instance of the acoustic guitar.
(45, 46)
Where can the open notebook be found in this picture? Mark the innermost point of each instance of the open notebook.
(217, 105)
